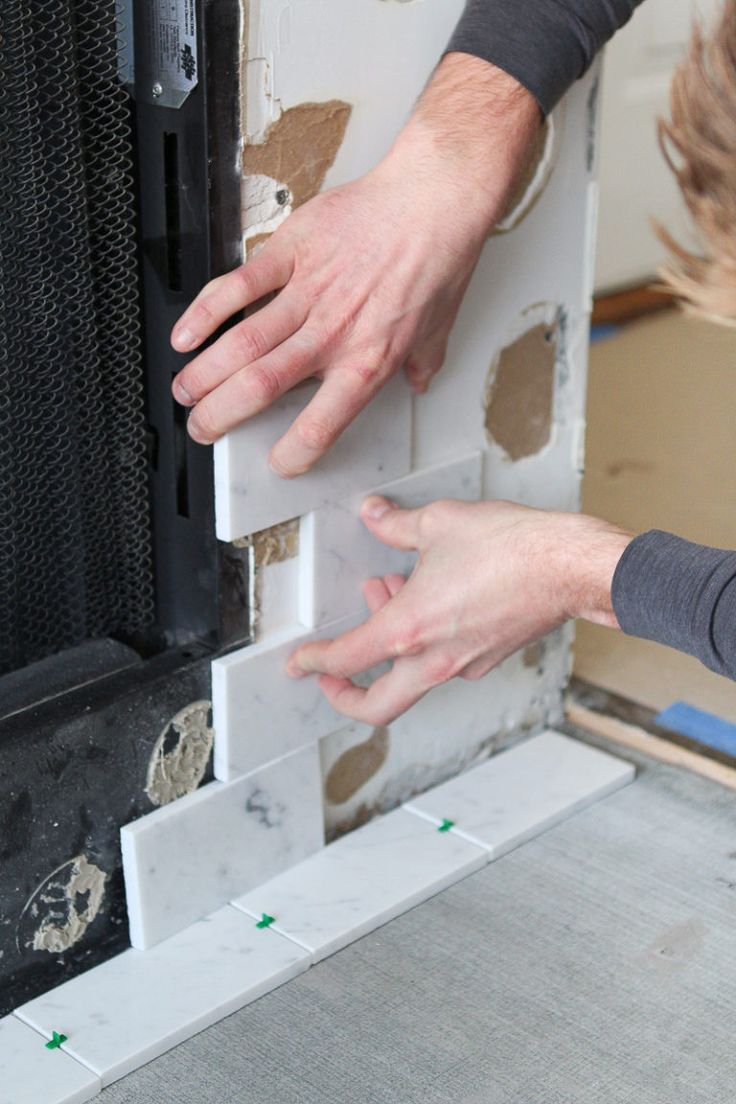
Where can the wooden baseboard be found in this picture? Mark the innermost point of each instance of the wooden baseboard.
(628, 305)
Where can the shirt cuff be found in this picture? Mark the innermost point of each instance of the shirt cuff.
(544, 44)
(680, 594)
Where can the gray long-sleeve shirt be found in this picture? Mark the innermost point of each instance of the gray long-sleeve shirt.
(544, 44)
(665, 588)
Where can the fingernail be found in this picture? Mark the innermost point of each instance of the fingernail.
(276, 468)
(184, 339)
(293, 669)
(194, 433)
(376, 507)
(182, 395)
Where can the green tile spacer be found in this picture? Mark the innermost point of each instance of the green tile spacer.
(446, 825)
(265, 921)
(56, 1041)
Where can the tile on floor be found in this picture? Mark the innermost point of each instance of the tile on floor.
(31, 1074)
(523, 791)
(132, 1008)
(190, 857)
(361, 881)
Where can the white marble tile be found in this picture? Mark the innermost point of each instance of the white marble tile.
(260, 713)
(186, 859)
(451, 728)
(31, 1074)
(363, 880)
(250, 497)
(139, 1004)
(523, 791)
(337, 552)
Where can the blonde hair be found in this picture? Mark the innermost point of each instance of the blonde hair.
(701, 137)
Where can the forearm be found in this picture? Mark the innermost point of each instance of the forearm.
(545, 44)
(470, 135)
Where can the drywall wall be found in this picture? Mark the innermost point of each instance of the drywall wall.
(323, 97)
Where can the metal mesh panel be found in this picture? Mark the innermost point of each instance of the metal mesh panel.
(75, 555)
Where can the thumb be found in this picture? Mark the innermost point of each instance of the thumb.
(392, 525)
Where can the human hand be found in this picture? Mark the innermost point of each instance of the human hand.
(492, 577)
(369, 275)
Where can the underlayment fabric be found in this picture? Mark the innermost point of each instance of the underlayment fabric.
(681, 594)
(594, 965)
(545, 46)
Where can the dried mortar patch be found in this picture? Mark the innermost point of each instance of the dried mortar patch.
(356, 766)
(277, 544)
(534, 178)
(288, 166)
(67, 902)
(180, 755)
(520, 396)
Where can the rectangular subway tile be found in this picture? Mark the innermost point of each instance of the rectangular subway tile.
(31, 1074)
(259, 712)
(337, 553)
(374, 449)
(523, 791)
(186, 859)
(361, 881)
(132, 1008)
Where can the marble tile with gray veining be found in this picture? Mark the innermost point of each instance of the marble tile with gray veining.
(260, 713)
(189, 857)
(374, 449)
(130, 1009)
(338, 553)
(32, 1074)
(361, 881)
(523, 791)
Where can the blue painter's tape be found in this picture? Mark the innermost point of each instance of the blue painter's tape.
(698, 725)
(603, 331)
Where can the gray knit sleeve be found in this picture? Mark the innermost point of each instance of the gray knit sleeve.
(681, 594)
(545, 44)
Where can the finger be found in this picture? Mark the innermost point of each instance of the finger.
(338, 401)
(393, 526)
(240, 346)
(370, 644)
(423, 364)
(376, 594)
(222, 297)
(394, 583)
(252, 389)
(389, 696)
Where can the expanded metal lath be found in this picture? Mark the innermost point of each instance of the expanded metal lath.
(75, 544)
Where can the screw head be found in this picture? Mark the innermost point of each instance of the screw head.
(158, 89)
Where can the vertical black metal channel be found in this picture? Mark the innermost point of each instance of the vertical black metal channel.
(190, 231)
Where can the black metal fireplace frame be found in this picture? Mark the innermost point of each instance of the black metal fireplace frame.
(76, 737)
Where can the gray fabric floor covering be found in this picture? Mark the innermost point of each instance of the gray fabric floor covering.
(594, 965)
